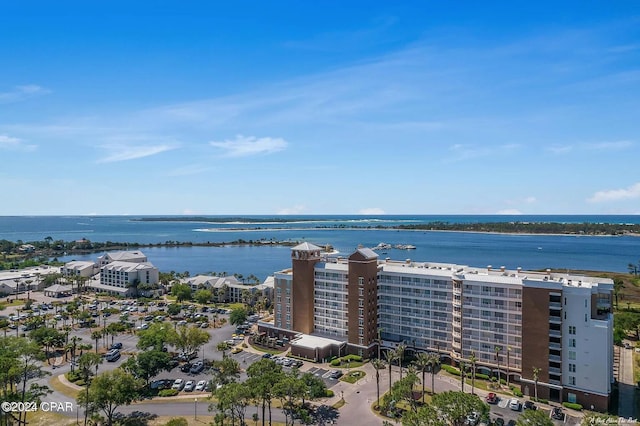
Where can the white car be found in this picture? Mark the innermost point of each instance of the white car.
(201, 384)
(188, 387)
(514, 404)
(178, 384)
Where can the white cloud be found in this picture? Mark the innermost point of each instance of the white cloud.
(509, 212)
(530, 200)
(610, 146)
(20, 93)
(244, 146)
(15, 144)
(299, 209)
(124, 153)
(628, 193)
(371, 211)
(560, 149)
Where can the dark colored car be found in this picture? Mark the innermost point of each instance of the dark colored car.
(511, 423)
(197, 368)
(498, 422)
(266, 356)
(173, 363)
(116, 345)
(528, 405)
(185, 368)
(557, 414)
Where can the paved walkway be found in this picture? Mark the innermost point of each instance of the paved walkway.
(626, 384)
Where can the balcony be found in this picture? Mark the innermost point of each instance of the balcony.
(556, 346)
(555, 320)
(555, 333)
(555, 358)
(555, 305)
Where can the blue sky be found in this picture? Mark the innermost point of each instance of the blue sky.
(329, 107)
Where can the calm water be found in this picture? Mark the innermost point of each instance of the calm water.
(527, 251)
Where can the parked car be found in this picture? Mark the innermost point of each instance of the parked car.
(178, 384)
(266, 355)
(498, 422)
(335, 374)
(557, 413)
(116, 345)
(189, 386)
(201, 384)
(492, 398)
(514, 404)
(161, 384)
(197, 368)
(236, 350)
(112, 355)
(185, 368)
(529, 405)
(472, 419)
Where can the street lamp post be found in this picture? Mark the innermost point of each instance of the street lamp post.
(195, 409)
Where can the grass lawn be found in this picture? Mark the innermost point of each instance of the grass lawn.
(54, 382)
(42, 418)
(353, 376)
(271, 351)
(338, 404)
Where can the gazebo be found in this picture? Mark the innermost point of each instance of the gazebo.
(57, 290)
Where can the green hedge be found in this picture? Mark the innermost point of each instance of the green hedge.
(572, 405)
(451, 370)
(329, 393)
(482, 376)
(168, 392)
(517, 393)
(540, 400)
(335, 362)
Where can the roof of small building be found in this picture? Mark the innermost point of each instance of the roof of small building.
(313, 342)
(306, 247)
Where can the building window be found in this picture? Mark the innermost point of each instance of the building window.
(572, 355)
(572, 329)
(572, 368)
(572, 380)
(360, 302)
(360, 341)
(572, 343)
(360, 322)
(518, 305)
(360, 291)
(360, 312)
(360, 331)
(360, 280)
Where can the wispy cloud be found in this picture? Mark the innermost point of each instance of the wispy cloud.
(610, 146)
(628, 193)
(20, 93)
(371, 211)
(591, 146)
(14, 144)
(125, 153)
(244, 146)
(299, 209)
(509, 212)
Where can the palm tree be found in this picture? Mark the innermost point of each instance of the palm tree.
(379, 364)
(400, 356)
(96, 335)
(434, 361)
(473, 360)
(498, 349)
(422, 362)
(463, 367)
(390, 357)
(536, 375)
(223, 347)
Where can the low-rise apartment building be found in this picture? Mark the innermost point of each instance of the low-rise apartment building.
(513, 322)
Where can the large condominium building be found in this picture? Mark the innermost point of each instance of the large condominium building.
(556, 328)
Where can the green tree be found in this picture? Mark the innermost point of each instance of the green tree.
(149, 364)
(473, 360)
(203, 296)
(618, 285)
(263, 376)
(156, 336)
(400, 350)
(390, 356)
(424, 416)
(379, 364)
(434, 362)
(181, 292)
(534, 418)
(228, 371)
(288, 390)
(454, 407)
(87, 367)
(314, 387)
(536, 377)
(96, 335)
(173, 309)
(238, 316)
(223, 347)
(234, 399)
(189, 339)
(178, 421)
(110, 390)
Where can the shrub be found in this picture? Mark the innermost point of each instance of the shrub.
(482, 376)
(244, 345)
(451, 370)
(517, 393)
(335, 362)
(168, 392)
(503, 382)
(572, 405)
(540, 400)
(329, 393)
(179, 421)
